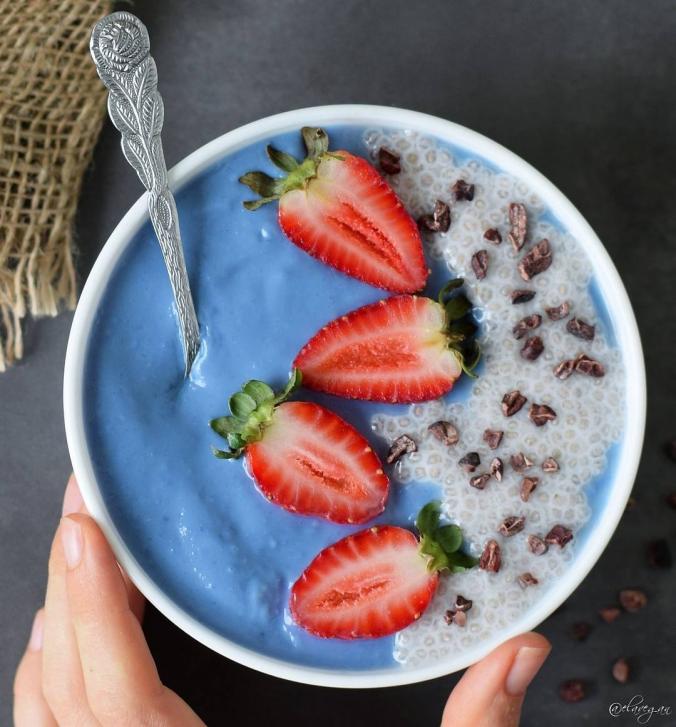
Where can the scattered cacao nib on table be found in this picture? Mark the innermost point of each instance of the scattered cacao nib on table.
(470, 462)
(493, 437)
(631, 504)
(632, 599)
(540, 414)
(511, 525)
(521, 295)
(609, 614)
(537, 545)
(518, 219)
(490, 558)
(573, 690)
(389, 162)
(520, 462)
(529, 323)
(670, 449)
(463, 191)
(532, 348)
(671, 500)
(402, 445)
(497, 468)
(527, 579)
(581, 329)
(558, 312)
(559, 535)
(536, 260)
(621, 671)
(658, 554)
(439, 220)
(445, 432)
(550, 465)
(493, 235)
(480, 481)
(480, 264)
(580, 630)
(512, 402)
(528, 486)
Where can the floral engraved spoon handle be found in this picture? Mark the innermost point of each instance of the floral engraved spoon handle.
(121, 51)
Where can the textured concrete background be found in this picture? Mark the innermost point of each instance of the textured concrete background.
(582, 90)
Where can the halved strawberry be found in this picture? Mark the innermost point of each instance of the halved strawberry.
(398, 350)
(377, 581)
(336, 207)
(302, 456)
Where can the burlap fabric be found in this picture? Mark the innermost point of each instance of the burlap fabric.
(51, 107)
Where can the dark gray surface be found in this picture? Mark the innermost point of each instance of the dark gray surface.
(584, 91)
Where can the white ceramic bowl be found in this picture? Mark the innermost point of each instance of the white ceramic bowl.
(612, 290)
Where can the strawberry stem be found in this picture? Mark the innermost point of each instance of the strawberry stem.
(440, 544)
(460, 329)
(251, 411)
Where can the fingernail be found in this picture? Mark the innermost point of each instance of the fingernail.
(71, 540)
(72, 500)
(526, 665)
(35, 641)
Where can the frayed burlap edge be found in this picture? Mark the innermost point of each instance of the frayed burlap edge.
(52, 105)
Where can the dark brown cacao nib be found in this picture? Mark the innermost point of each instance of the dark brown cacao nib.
(493, 235)
(550, 465)
(402, 445)
(521, 295)
(512, 402)
(589, 366)
(490, 558)
(480, 264)
(497, 468)
(632, 599)
(470, 461)
(389, 162)
(439, 220)
(532, 348)
(480, 481)
(537, 545)
(463, 191)
(581, 329)
(511, 525)
(527, 579)
(536, 261)
(445, 432)
(520, 462)
(565, 369)
(558, 312)
(572, 690)
(528, 486)
(493, 437)
(526, 324)
(540, 414)
(518, 219)
(559, 535)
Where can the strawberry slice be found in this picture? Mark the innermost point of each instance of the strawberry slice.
(336, 207)
(402, 349)
(302, 456)
(377, 581)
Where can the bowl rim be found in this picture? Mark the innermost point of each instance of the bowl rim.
(613, 291)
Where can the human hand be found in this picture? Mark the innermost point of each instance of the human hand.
(87, 661)
(491, 693)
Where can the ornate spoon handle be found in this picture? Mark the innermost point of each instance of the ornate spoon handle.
(121, 51)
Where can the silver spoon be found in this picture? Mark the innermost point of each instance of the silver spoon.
(121, 51)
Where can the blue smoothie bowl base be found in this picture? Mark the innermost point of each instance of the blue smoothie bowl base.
(197, 525)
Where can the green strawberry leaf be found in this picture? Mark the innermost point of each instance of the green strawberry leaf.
(428, 518)
(457, 308)
(449, 538)
(437, 558)
(224, 425)
(316, 141)
(295, 380)
(281, 159)
(460, 562)
(450, 286)
(258, 391)
(222, 454)
(440, 544)
(241, 405)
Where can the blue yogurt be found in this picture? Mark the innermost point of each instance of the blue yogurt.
(197, 525)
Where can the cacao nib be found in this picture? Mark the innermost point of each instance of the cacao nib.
(573, 690)
(550, 465)
(520, 462)
(580, 630)
(497, 468)
(512, 402)
(459, 618)
(518, 219)
(581, 329)
(493, 235)
(480, 264)
(659, 554)
(521, 296)
(470, 462)
(532, 348)
(389, 162)
(565, 369)
(632, 599)
(402, 445)
(527, 579)
(439, 220)
(480, 481)
(558, 312)
(490, 558)
(621, 671)
(559, 535)
(463, 191)
(528, 486)
(462, 603)
(537, 545)
(445, 432)
(511, 525)
(536, 261)
(609, 614)
(526, 324)
(589, 366)
(540, 414)
(493, 437)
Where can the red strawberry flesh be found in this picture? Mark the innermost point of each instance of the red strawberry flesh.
(368, 585)
(394, 350)
(312, 462)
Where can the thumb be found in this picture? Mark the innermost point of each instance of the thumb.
(491, 692)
